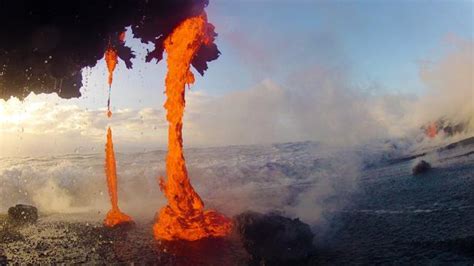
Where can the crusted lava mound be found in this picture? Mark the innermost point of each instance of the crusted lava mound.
(274, 239)
(45, 44)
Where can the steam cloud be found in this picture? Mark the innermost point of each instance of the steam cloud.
(321, 104)
(451, 83)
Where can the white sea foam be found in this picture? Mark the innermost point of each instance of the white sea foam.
(286, 177)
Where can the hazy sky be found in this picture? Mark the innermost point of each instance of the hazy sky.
(375, 47)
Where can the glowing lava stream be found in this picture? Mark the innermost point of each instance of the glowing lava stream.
(184, 217)
(111, 59)
(114, 216)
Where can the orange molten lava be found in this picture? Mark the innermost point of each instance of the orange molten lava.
(184, 217)
(122, 36)
(111, 59)
(114, 216)
(431, 130)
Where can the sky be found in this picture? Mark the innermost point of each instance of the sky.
(342, 53)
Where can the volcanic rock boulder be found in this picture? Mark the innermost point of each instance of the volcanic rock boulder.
(421, 167)
(22, 214)
(273, 239)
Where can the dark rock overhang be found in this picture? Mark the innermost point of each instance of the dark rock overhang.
(44, 44)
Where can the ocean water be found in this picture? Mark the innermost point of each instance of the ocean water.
(362, 203)
(398, 218)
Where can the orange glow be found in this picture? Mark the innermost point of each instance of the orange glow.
(114, 216)
(122, 36)
(432, 130)
(111, 59)
(184, 217)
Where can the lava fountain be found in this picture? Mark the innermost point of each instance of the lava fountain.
(184, 217)
(114, 216)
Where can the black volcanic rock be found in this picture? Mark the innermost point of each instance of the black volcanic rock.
(274, 239)
(22, 214)
(421, 167)
(45, 44)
